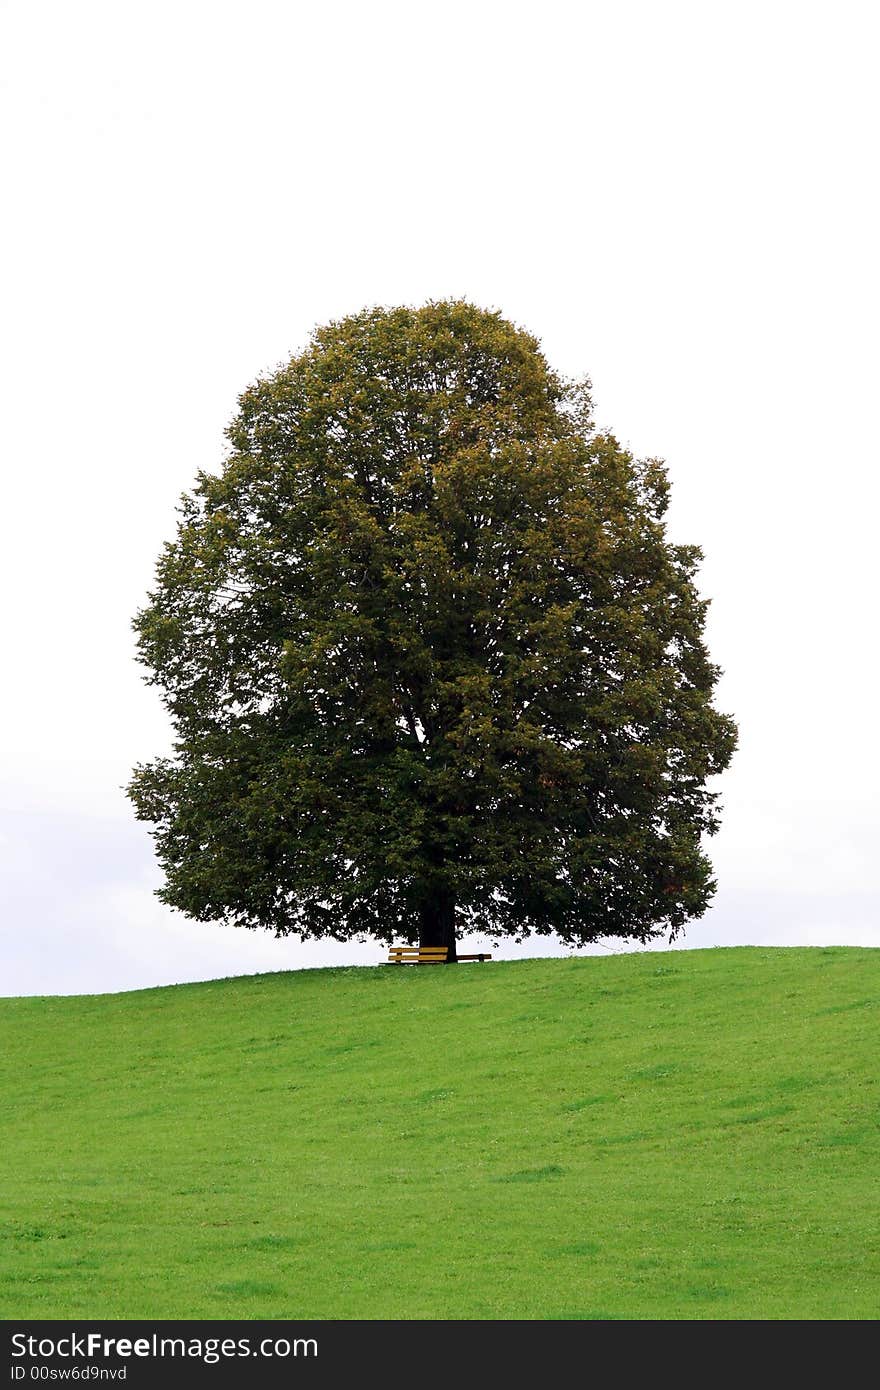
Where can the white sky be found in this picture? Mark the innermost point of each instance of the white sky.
(679, 199)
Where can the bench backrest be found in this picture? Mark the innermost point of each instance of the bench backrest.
(417, 955)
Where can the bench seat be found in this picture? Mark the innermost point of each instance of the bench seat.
(427, 955)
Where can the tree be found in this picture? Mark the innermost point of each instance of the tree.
(430, 657)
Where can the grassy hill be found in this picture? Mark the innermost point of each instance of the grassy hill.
(681, 1135)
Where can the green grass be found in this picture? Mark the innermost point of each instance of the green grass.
(679, 1135)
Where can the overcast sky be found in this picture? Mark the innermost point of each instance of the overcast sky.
(678, 199)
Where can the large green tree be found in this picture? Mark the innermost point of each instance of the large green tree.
(431, 660)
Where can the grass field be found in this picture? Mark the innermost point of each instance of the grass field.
(676, 1135)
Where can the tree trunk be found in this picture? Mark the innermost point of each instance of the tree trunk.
(437, 923)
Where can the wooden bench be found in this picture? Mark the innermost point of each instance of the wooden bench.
(426, 955)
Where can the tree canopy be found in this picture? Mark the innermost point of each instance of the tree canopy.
(431, 660)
